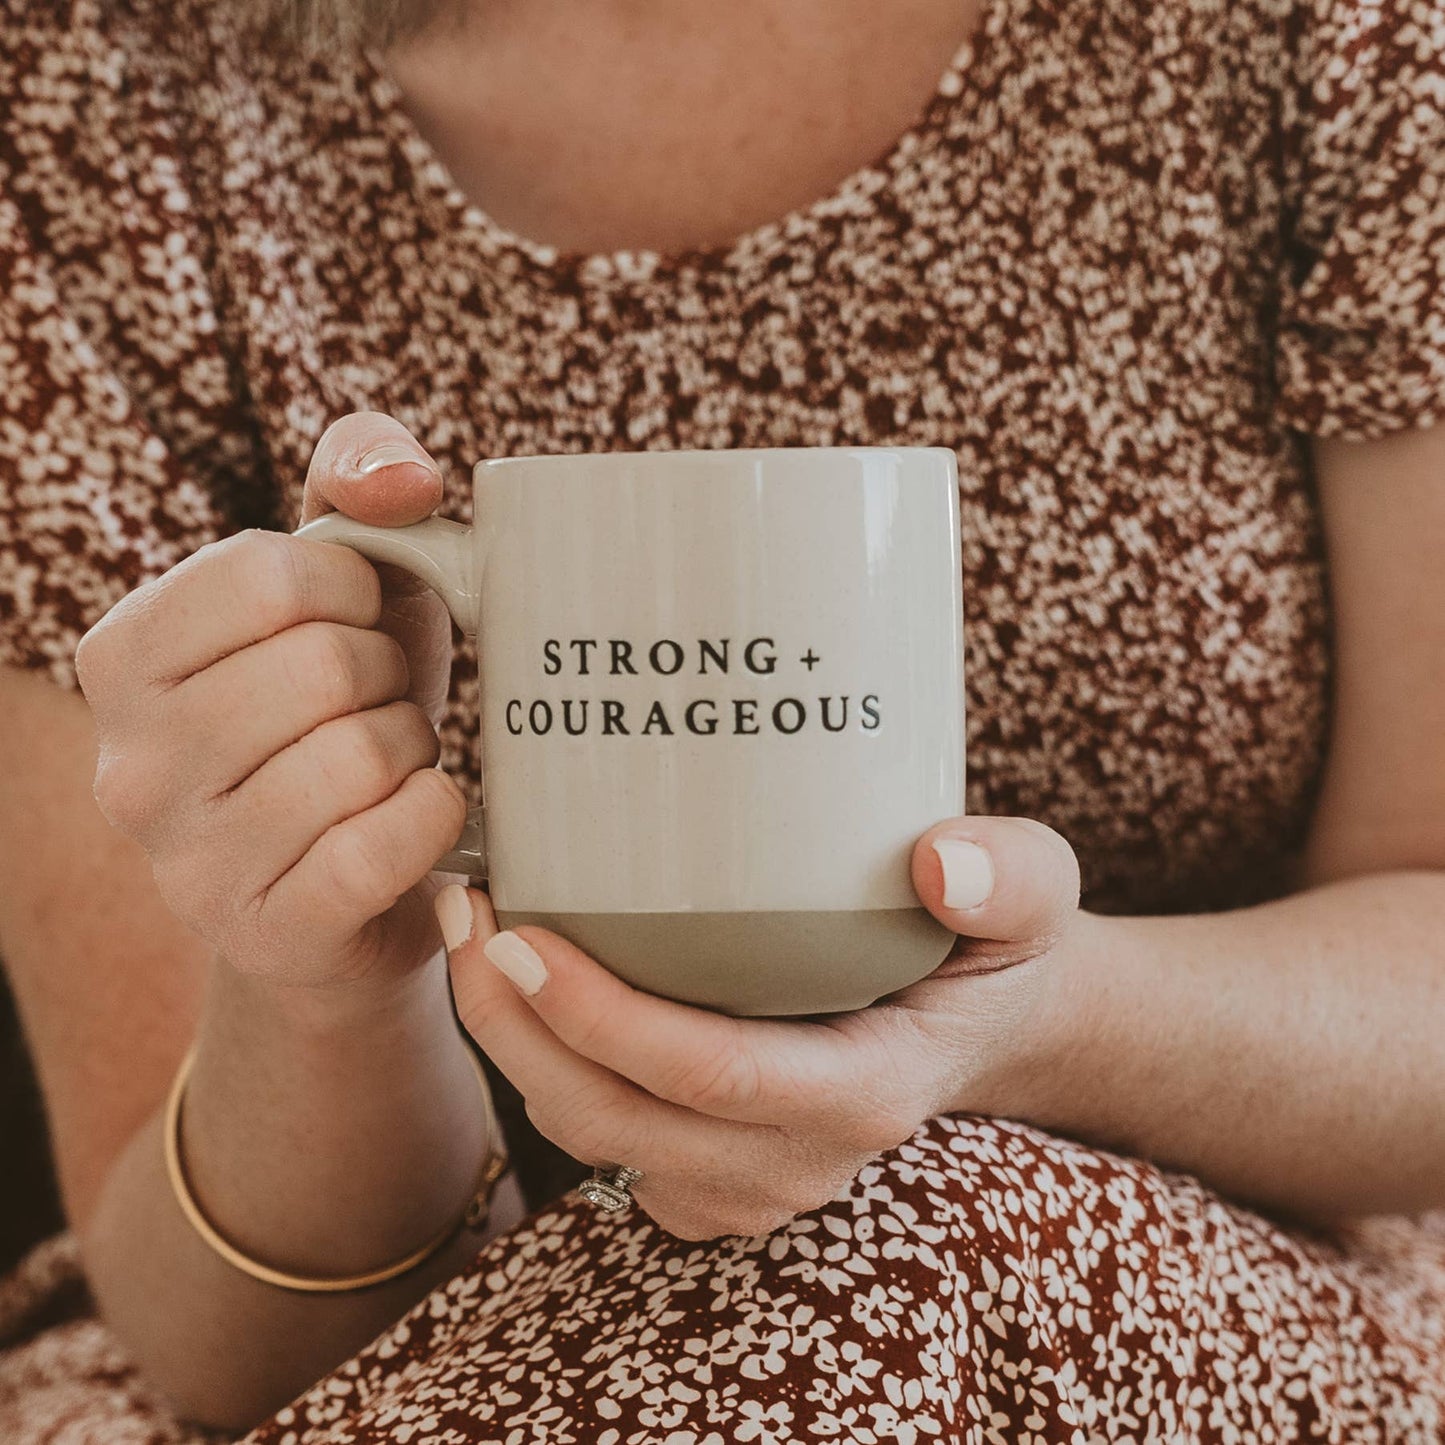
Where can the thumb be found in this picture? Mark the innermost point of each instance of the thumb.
(370, 467)
(1010, 880)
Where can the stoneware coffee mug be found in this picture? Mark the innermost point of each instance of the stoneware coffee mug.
(721, 697)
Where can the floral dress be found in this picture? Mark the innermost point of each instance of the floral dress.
(1127, 258)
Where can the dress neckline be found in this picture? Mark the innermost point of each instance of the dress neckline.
(457, 215)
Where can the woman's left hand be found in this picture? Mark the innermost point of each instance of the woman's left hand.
(741, 1124)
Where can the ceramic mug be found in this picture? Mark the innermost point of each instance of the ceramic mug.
(721, 697)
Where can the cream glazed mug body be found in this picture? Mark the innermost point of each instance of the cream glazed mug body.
(721, 696)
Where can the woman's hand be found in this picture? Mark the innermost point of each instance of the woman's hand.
(742, 1124)
(265, 718)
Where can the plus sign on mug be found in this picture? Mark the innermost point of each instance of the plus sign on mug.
(721, 697)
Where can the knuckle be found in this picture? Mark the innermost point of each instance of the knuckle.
(89, 657)
(357, 866)
(351, 585)
(806, 1191)
(1071, 875)
(268, 572)
(553, 1123)
(368, 756)
(593, 1030)
(883, 1113)
(1043, 923)
(544, 1119)
(723, 1077)
(772, 1203)
(581, 1122)
(590, 1130)
(100, 654)
(390, 661)
(321, 663)
(418, 740)
(1066, 906)
(445, 798)
(336, 658)
(124, 792)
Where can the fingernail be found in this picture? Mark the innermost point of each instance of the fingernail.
(454, 913)
(967, 873)
(516, 958)
(392, 453)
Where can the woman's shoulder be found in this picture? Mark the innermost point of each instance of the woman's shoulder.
(110, 311)
(76, 74)
(104, 66)
(87, 138)
(40, 35)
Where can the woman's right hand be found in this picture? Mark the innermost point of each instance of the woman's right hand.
(265, 716)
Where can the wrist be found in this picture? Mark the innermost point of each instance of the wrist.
(301, 1113)
(334, 1046)
(320, 1013)
(1042, 1058)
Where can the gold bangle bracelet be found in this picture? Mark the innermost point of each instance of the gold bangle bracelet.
(474, 1216)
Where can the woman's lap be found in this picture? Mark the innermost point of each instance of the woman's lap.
(981, 1278)
(981, 1282)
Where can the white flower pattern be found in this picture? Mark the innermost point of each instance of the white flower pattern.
(1126, 257)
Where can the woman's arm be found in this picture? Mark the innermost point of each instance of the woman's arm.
(1290, 1055)
(1293, 1053)
(329, 1141)
(271, 750)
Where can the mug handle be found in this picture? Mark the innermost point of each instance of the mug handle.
(440, 554)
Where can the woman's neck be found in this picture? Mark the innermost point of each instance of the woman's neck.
(644, 124)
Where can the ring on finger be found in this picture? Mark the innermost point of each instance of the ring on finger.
(608, 1188)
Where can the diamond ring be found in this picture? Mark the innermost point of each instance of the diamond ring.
(607, 1188)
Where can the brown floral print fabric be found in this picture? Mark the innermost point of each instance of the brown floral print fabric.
(1126, 259)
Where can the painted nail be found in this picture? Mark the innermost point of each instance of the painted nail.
(454, 913)
(516, 958)
(390, 454)
(967, 873)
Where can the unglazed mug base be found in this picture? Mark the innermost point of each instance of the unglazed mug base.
(762, 963)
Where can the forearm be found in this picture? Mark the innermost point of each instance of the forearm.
(1288, 1054)
(323, 1141)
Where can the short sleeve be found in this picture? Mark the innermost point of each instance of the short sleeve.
(1360, 348)
(92, 503)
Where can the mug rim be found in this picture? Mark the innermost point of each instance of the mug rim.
(489, 466)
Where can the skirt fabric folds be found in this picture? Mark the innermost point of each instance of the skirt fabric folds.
(983, 1282)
